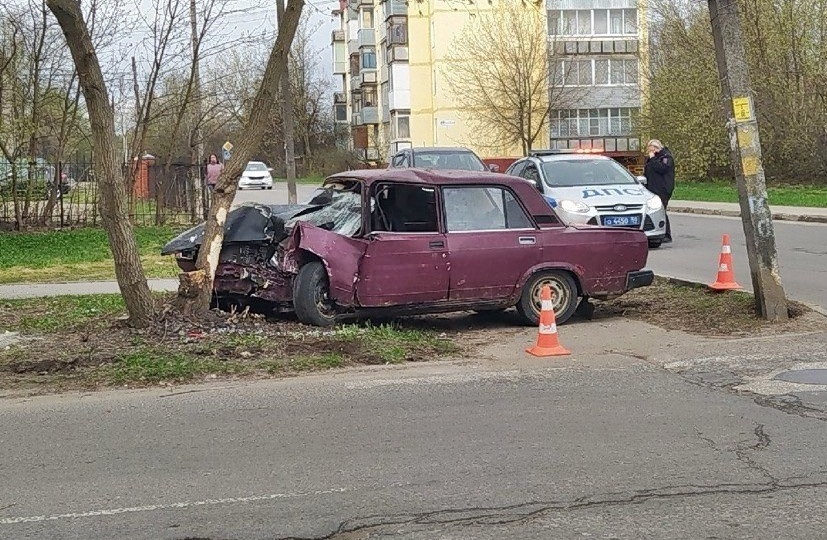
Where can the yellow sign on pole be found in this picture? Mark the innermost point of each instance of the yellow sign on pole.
(742, 108)
(228, 146)
(750, 165)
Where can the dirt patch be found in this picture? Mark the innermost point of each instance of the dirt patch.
(698, 310)
(96, 349)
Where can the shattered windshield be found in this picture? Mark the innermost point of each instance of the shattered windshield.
(343, 215)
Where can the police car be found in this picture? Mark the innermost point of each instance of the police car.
(589, 188)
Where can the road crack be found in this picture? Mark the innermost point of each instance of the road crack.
(524, 512)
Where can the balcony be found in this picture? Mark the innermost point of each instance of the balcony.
(356, 83)
(338, 35)
(366, 37)
(367, 76)
(395, 7)
(370, 115)
(339, 68)
(367, 154)
(383, 73)
(339, 97)
(356, 119)
(604, 144)
(399, 100)
(397, 53)
(352, 47)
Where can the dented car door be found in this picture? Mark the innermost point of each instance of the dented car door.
(406, 260)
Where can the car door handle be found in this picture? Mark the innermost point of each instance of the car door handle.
(436, 244)
(527, 240)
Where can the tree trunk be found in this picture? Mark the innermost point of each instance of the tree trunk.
(195, 288)
(113, 197)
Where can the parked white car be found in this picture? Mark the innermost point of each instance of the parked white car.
(256, 175)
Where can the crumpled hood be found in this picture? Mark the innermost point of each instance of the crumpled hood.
(250, 222)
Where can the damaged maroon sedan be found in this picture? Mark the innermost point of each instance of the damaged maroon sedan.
(393, 242)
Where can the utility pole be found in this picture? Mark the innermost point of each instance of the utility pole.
(287, 119)
(196, 190)
(745, 154)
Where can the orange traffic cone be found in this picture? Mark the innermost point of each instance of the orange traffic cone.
(726, 276)
(547, 342)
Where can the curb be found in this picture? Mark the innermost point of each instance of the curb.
(780, 216)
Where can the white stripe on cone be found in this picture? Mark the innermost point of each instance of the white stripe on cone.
(546, 305)
(726, 249)
(724, 268)
(548, 328)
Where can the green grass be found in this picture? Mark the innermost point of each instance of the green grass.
(59, 313)
(77, 255)
(721, 191)
(392, 343)
(148, 365)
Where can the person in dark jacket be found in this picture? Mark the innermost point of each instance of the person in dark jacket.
(660, 176)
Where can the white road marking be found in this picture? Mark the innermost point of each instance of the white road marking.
(171, 506)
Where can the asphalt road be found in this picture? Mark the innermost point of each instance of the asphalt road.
(599, 445)
(802, 254)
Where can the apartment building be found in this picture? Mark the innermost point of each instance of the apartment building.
(392, 56)
(370, 55)
(599, 55)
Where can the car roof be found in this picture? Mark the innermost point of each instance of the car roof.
(441, 149)
(435, 177)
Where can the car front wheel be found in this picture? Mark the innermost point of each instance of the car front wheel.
(311, 298)
(655, 244)
(563, 296)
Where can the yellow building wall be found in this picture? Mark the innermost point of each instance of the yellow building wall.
(436, 118)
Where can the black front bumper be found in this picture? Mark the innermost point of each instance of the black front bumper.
(640, 278)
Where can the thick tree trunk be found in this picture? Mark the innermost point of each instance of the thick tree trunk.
(195, 289)
(113, 197)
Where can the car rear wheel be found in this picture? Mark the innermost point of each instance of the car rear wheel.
(563, 296)
(311, 298)
(655, 244)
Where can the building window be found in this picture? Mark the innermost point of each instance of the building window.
(401, 127)
(592, 122)
(341, 113)
(369, 58)
(369, 96)
(397, 31)
(600, 71)
(594, 22)
(367, 18)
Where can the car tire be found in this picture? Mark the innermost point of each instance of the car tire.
(655, 244)
(564, 296)
(310, 296)
(271, 187)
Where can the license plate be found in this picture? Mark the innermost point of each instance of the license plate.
(621, 221)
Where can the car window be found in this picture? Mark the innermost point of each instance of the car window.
(342, 215)
(256, 166)
(398, 159)
(404, 208)
(531, 173)
(517, 168)
(585, 172)
(476, 208)
(464, 161)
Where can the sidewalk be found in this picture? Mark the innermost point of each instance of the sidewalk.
(37, 290)
(781, 213)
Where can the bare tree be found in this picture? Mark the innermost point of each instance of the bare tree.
(310, 92)
(114, 203)
(195, 289)
(499, 69)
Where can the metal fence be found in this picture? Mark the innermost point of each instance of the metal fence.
(158, 195)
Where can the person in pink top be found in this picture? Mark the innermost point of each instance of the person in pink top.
(214, 169)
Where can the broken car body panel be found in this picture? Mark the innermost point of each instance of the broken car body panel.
(416, 241)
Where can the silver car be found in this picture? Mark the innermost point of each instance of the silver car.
(593, 189)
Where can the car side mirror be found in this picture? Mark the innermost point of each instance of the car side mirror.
(493, 167)
(641, 180)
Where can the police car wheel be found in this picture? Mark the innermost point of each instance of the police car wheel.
(564, 296)
(655, 244)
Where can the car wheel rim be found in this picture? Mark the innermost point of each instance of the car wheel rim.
(323, 303)
(559, 294)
